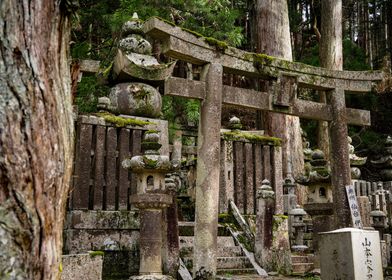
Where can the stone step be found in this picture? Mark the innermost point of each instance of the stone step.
(82, 266)
(233, 251)
(302, 258)
(302, 268)
(225, 273)
(225, 263)
(223, 241)
(188, 229)
(230, 276)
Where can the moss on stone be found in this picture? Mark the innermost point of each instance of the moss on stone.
(198, 35)
(150, 145)
(246, 242)
(239, 135)
(277, 221)
(122, 122)
(165, 20)
(150, 163)
(96, 253)
(146, 110)
(106, 72)
(219, 45)
(225, 218)
(151, 131)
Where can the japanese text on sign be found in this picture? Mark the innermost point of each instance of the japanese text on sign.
(354, 209)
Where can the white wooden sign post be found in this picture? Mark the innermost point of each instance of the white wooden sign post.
(354, 208)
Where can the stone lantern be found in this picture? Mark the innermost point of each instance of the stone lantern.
(378, 221)
(297, 217)
(151, 198)
(319, 204)
(289, 197)
(355, 161)
(384, 163)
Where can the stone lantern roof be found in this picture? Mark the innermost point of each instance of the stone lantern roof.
(151, 160)
(298, 211)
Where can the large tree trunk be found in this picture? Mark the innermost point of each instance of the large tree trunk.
(273, 38)
(331, 57)
(331, 51)
(36, 136)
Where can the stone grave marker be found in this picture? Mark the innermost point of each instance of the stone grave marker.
(350, 254)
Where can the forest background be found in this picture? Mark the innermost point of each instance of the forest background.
(367, 45)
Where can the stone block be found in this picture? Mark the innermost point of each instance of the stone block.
(364, 209)
(82, 266)
(90, 219)
(78, 241)
(350, 254)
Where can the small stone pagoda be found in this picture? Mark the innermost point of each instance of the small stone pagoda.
(384, 163)
(133, 68)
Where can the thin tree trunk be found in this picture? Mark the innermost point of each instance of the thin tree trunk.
(273, 38)
(36, 136)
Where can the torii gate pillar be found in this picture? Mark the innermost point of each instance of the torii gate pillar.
(340, 162)
(207, 181)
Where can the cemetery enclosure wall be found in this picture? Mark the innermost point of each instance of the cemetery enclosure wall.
(100, 183)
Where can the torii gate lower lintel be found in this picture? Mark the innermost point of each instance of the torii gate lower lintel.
(286, 77)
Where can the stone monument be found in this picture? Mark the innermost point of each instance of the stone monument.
(350, 254)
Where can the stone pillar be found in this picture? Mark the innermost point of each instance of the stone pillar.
(289, 197)
(171, 264)
(151, 198)
(364, 210)
(278, 178)
(207, 181)
(150, 241)
(340, 163)
(227, 176)
(264, 223)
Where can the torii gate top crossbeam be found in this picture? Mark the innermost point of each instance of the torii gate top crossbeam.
(180, 44)
(183, 45)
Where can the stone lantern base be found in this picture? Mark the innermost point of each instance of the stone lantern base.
(151, 277)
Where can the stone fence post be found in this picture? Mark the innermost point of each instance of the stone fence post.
(264, 223)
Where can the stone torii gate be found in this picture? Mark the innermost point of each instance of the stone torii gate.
(284, 77)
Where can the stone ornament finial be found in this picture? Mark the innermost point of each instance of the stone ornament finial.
(265, 191)
(289, 185)
(235, 123)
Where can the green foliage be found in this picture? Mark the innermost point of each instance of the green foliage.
(354, 58)
(216, 18)
(88, 92)
(93, 33)
(180, 110)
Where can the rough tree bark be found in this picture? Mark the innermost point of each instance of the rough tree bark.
(331, 50)
(36, 136)
(331, 57)
(272, 33)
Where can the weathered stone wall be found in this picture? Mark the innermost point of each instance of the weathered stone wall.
(116, 233)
